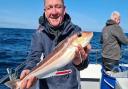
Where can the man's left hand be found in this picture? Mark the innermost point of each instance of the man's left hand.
(81, 54)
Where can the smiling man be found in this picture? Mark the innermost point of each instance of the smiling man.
(54, 11)
(55, 26)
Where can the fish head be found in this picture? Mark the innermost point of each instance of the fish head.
(82, 38)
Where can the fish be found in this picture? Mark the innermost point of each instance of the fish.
(61, 55)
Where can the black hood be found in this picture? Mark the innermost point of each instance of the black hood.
(64, 27)
(110, 22)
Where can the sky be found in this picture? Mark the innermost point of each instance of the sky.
(90, 15)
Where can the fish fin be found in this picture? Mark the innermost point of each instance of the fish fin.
(12, 84)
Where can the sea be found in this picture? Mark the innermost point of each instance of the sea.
(15, 46)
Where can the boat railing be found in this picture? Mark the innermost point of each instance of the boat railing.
(97, 53)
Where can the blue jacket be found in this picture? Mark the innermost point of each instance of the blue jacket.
(44, 40)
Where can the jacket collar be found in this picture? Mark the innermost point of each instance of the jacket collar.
(110, 22)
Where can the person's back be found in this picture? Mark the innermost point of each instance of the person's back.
(111, 45)
(111, 39)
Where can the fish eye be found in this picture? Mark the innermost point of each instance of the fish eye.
(79, 34)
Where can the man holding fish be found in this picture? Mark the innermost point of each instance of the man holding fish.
(55, 26)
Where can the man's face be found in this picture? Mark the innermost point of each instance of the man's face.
(118, 21)
(54, 12)
(117, 18)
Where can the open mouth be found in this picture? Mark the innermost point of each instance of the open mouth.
(54, 17)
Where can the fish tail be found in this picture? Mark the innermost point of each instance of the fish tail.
(13, 84)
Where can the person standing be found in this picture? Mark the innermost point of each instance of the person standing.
(55, 26)
(112, 38)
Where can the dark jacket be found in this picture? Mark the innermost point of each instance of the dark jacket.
(44, 41)
(111, 39)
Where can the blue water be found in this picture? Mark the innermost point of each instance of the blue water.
(14, 47)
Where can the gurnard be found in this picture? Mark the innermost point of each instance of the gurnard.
(63, 54)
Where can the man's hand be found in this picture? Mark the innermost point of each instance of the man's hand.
(26, 84)
(81, 54)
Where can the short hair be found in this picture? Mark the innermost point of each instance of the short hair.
(61, 0)
(115, 13)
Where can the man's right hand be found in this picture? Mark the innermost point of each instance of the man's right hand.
(26, 84)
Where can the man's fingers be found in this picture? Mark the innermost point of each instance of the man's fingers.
(31, 82)
(81, 54)
(82, 51)
(87, 48)
(24, 73)
(23, 85)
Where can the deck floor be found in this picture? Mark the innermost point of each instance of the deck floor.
(90, 85)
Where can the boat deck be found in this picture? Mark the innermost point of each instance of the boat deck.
(90, 77)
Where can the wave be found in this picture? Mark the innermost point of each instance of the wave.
(5, 64)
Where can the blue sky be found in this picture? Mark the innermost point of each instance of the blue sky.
(90, 15)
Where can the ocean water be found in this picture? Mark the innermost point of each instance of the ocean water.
(15, 44)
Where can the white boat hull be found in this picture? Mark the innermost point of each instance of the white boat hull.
(90, 77)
